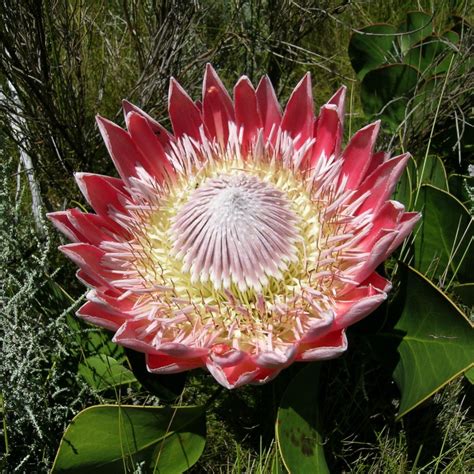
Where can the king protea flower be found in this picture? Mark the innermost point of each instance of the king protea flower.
(243, 241)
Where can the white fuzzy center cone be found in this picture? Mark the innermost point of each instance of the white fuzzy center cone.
(235, 229)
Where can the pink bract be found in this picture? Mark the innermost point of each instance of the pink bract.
(243, 241)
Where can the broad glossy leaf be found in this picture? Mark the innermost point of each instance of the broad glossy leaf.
(298, 427)
(385, 91)
(432, 171)
(443, 243)
(418, 25)
(370, 48)
(102, 372)
(435, 341)
(112, 439)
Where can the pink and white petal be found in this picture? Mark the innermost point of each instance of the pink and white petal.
(184, 114)
(378, 282)
(102, 192)
(406, 225)
(356, 157)
(112, 298)
(225, 356)
(328, 134)
(268, 107)
(235, 375)
(264, 375)
(217, 106)
(387, 218)
(276, 359)
(138, 335)
(339, 100)
(91, 226)
(378, 253)
(298, 117)
(381, 183)
(376, 160)
(165, 364)
(123, 151)
(91, 281)
(328, 347)
(246, 112)
(174, 349)
(321, 325)
(163, 136)
(102, 316)
(88, 257)
(150, 147)
(357, 304)
(60, 220)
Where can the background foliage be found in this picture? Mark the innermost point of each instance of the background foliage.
(61, 62)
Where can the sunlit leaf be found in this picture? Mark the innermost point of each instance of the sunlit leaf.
(435, 340)
(432, 171)
(110, 439)
(443, 244)
(418, 25)
(102, 372)
(298, 424)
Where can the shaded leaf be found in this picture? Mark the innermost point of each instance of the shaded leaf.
(432, 56)
(114, 439)
(435, 341)
(370, 48)
(443, 243)
(298, 429)
(102, 372)
(386, 91)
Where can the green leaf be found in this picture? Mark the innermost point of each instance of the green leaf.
(418, 25)
(465, 292)
(102, 372)
(370, 48)
(432, 56)
(112, 439)
(443, 243)
(435, 341)
(298, 429)
(432, 171)
(386, 91)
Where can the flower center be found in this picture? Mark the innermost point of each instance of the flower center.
(235, 229)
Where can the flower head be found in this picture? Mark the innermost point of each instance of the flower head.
(244, 241)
